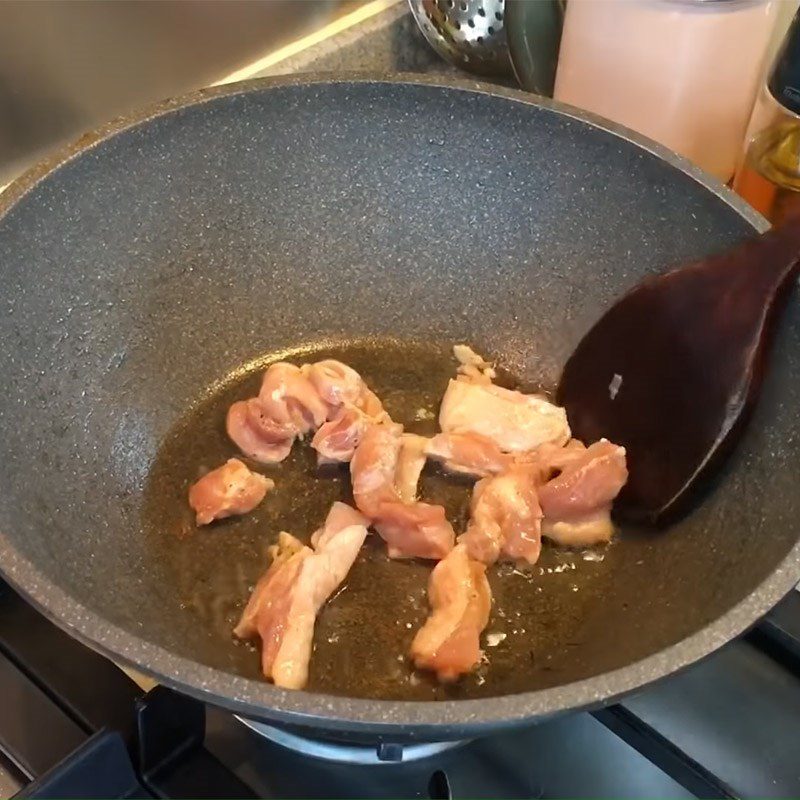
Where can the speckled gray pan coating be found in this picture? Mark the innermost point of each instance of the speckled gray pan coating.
(155, 256)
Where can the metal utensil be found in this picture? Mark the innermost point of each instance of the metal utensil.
(468, 33)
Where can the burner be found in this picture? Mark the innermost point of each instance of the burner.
(350, 752)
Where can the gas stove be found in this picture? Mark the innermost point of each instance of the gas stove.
(74, 725)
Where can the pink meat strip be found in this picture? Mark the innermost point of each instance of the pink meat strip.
(287, 394)
(576, 500)
(226, 491)
(355, 407)
(460, 598)
(562, 493)
(287, 406)
(468, 454)
(284, 605)
(415, 530)
(384, 470)
(505, 517)
(266, 613)
(372, 469)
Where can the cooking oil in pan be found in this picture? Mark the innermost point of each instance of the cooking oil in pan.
(534, 638)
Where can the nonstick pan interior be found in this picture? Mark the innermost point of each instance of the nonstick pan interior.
(147, 280)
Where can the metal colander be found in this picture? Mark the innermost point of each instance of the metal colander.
(468, 33)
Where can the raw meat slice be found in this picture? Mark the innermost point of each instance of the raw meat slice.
(287, 395)
(258, 435)
(283, 608)
(515, 422)
(468, 454)
(505, 517)
(414, 530)
(373, 466)
(587, 480)
(385, 469)
(576, 500)
(336, 383)
(226, 491)
(337, 439)
(460, 598)
(264, 613)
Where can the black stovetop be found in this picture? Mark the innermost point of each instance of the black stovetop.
(73, 725)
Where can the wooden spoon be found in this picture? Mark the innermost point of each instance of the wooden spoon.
(673, 369)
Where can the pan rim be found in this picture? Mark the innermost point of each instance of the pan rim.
(416, 719)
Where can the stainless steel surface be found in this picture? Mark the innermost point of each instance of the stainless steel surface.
(386, 41)
(318, 35)
(67, 67)
(349, 752)
(575, 756)
(468, 33)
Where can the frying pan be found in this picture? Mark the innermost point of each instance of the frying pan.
(152, 269)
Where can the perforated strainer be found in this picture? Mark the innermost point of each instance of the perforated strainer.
(469, 33)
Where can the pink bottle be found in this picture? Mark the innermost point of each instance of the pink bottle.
(683, 72)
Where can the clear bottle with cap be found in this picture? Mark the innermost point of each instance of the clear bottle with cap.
(683, 72)
(768, 176)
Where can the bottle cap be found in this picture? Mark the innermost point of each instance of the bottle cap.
(784, 78)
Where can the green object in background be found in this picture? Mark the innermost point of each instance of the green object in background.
(534, 35)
